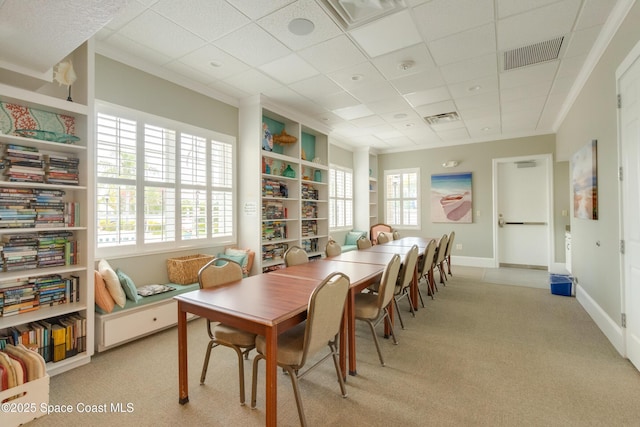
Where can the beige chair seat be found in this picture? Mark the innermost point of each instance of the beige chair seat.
(366, 305)
(290, 345)
(230, 334)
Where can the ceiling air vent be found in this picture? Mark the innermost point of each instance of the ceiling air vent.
(352, 13)
(439, 119)
(532, 54)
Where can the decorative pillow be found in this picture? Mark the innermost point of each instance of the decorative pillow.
(129, 287)
(240, 259)
(104, 300)
(352, 237)
(113, 283)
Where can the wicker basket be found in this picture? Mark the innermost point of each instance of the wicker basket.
(184, 270)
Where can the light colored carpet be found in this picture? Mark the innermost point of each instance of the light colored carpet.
(479, 354)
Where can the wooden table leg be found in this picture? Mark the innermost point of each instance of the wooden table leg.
(271, 386)
(351, 334)
(183, 375)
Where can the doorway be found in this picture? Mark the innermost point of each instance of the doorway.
(522, 212)
(628, 81)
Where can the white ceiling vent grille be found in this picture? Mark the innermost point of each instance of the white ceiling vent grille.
(439, 119)
(532, 54)
(352, 13)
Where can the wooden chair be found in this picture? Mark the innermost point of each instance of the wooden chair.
(333, 248)
(298, 344)
(374, 307)
(376, 229)
(295, 255)
(364, 243)
(216, 272)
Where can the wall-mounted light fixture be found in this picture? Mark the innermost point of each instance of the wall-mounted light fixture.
(450, 164)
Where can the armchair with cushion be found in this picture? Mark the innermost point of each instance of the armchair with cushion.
(377, 229)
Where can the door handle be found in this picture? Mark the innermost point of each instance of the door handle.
(500, 221)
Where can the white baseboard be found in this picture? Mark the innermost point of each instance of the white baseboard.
(608, 327)
(473, 261)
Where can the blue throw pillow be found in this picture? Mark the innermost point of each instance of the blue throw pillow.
(128, 286)
(352, 237)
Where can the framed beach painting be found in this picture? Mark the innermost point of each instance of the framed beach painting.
(584, 180)
(451, 197)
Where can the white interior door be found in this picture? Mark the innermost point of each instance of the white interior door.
(629, 84)
(523, 213)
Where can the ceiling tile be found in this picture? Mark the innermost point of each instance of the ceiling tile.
(252, 81)
(203, 59)
(594, 13)
(485, 100)
(470, 44)
(357, 75)
(392, 105)
(524, 92)
(529, 75)
(335, 101)
(133, 9)
(453, 134)
(474, 87)
(368, 121)
(537, 25)
(480, 113)
(430, 96)
(207, 19)
(353, 112)
(257, 9)
(157, 32)
(513, 7)
(531, 105)
(374, 92)
(437, 108)
(387, 34)
(581, 42)
(441, 18)
(135, 51)
(277, 24)
(252, 45)
(333, 55)
(289, 69)
(316, 86)
(422, 81)
(469, 69)
(416, 58)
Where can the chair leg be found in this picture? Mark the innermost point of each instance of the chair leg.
(296, 393)
(205, 365)
(449, 265)
(375, 341)
(420, 295)
(395, 302)
(406, 292)
(336, 363)
(240, 373)
(387, 319)
(254, 380)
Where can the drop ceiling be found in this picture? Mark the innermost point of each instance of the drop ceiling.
(373, 81)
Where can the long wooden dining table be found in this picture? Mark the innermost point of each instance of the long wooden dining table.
(271, 303)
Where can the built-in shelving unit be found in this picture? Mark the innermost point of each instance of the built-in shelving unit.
(291, 206)
(50, 100)
(365, 184)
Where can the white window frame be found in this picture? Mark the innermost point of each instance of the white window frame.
(333, 198)
(140, 183)
(402, 199)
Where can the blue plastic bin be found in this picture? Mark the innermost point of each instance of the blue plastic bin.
(560, 284)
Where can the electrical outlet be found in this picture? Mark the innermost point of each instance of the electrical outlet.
(458, 246)
(565, 212)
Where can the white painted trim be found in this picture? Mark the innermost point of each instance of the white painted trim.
(609, 29)
(607, 325)
(472, 261)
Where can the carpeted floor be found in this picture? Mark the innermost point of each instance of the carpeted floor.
(479, 354)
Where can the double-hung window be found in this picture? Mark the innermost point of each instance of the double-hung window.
(340, 197)
(161, 185)
(402, 198)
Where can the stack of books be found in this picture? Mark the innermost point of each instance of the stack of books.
(15, 208)
(49, 207)
(52, 289)
(17, 299)
(23, 164)
(52, 247)
(19, 251)
(61, 169)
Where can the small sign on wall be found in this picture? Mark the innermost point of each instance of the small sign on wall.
(584, 181)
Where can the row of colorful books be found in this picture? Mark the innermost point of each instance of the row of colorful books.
(41, 291)
(27, 164)
(36, 208)
(53, 248)
(54, 339)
